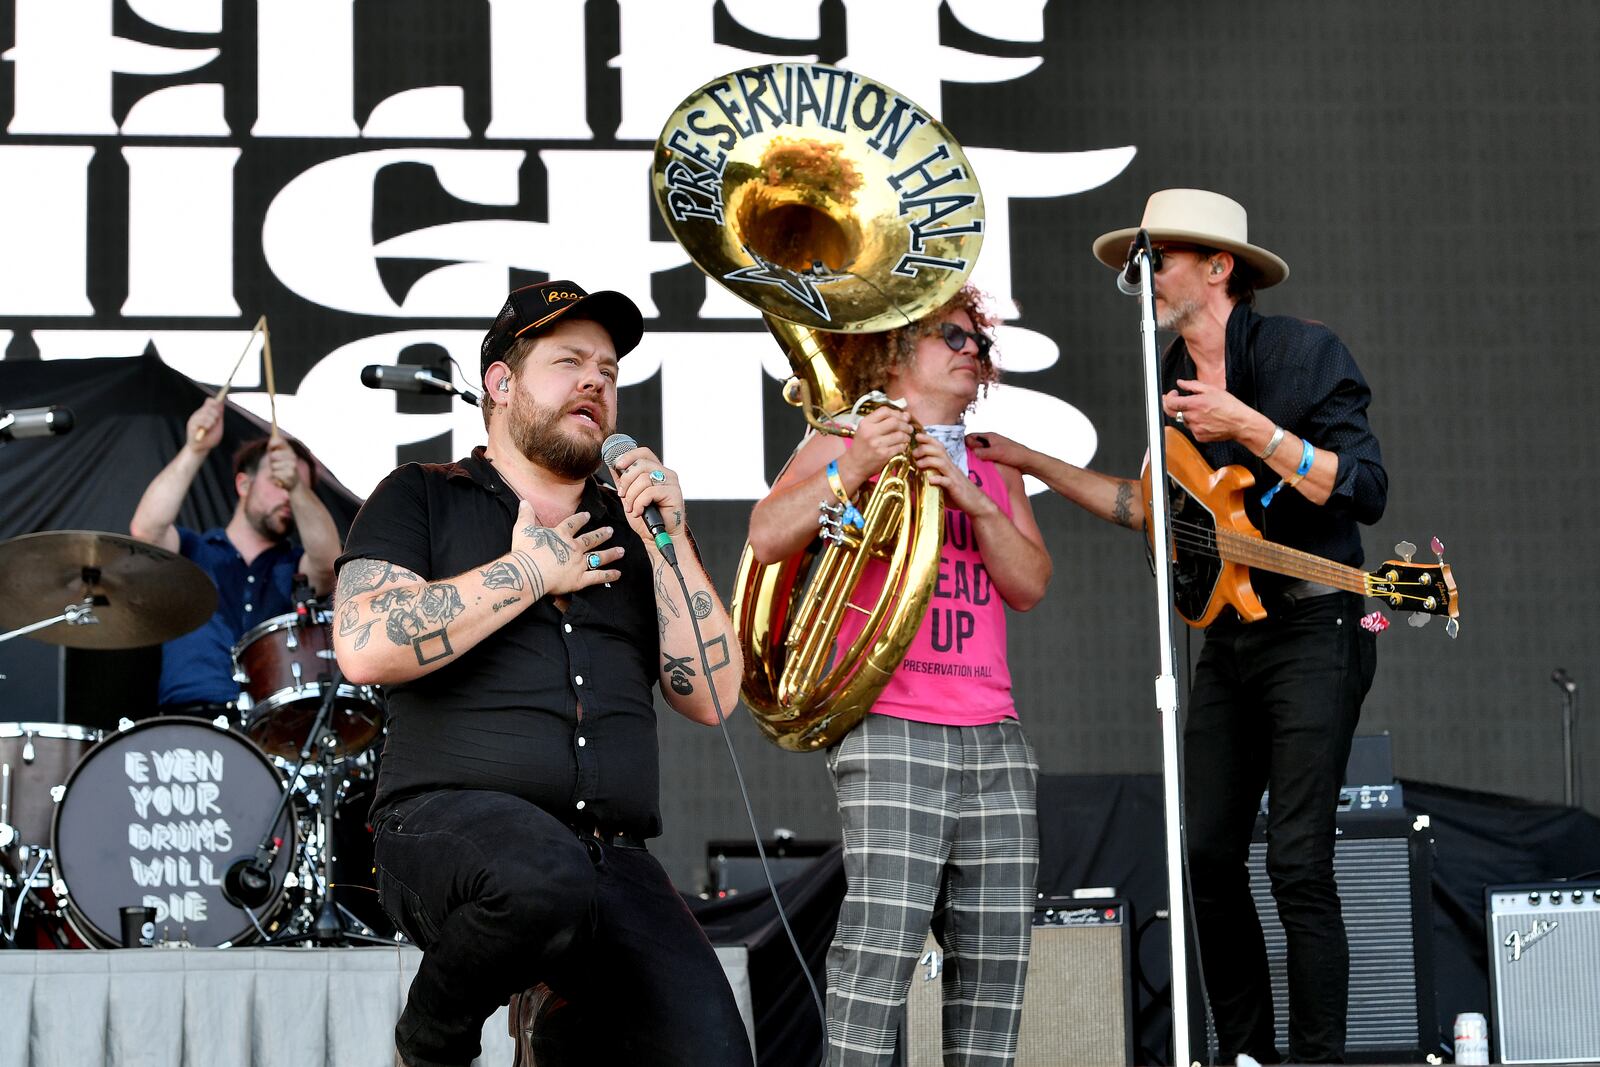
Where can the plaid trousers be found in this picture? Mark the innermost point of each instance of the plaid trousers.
(940, 832)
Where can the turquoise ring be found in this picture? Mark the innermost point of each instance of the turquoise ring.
(658, 477)
(594, 561)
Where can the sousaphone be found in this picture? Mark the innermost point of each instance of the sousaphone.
(832, 204)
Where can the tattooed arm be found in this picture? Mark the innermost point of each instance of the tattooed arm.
(1118, 500)
(683, 682)
(391, 625)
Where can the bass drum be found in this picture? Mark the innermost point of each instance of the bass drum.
(153, 816)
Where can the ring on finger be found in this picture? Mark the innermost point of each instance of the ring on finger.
(658, 476)
(594, 561)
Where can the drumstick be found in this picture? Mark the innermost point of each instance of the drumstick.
(272, 389)
(222, 394)
(266, 362)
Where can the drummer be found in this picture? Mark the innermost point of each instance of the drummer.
(255, 566)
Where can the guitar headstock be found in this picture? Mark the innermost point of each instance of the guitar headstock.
(1424, 589)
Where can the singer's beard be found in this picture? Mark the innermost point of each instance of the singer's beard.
(539, 434)
(1178, 315)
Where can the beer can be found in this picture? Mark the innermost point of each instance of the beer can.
(1472, 1038)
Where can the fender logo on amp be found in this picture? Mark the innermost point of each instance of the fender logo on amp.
(1518, 942)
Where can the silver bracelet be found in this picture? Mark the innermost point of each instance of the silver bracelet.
(1272, 445)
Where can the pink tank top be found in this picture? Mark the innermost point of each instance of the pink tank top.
(955, 672)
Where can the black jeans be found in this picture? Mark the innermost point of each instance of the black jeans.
(1274, 706)
(501, 895)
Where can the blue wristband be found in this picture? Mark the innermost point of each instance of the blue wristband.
(1308, 455)
(852, 515)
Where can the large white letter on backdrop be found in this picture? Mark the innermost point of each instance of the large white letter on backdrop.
(317, 234)
(180, 231)
(669, 51)
(44, 230)
(65, 56)
(898, 44)
(305, 69)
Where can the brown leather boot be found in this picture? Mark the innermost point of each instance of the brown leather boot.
(527, 1010)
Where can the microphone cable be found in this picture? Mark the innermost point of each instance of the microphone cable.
(749, 810)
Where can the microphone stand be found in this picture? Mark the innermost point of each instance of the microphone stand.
(1141, 258)
(255, 872)
(1569, 739)
(329, 926)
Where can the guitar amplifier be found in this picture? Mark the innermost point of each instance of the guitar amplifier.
(1544, 972)
(735, 866)
(1383, 866)
(1078, 1004)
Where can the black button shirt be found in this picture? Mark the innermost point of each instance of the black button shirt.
(1302, 377)
(505, 715)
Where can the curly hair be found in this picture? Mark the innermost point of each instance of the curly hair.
(865, 359)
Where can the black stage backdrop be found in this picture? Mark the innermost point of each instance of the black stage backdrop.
(372, 176)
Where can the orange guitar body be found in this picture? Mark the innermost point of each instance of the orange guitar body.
(1203, 499)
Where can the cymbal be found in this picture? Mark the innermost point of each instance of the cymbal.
(143, 594)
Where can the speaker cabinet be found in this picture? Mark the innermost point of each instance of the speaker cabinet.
(1383, 865)
(1077, 1007)
(1544, 972)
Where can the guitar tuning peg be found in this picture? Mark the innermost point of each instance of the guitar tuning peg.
(1419, 619)
(1438, 549)
(1452, 627)
(1405, 550)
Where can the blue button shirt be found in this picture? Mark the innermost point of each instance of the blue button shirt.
(198, 667)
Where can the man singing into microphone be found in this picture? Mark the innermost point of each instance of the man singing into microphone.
(519, 611)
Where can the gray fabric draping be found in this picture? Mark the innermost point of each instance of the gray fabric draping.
(244, 1007)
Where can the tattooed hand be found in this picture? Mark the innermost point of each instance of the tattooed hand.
(554, 560)
(638, 486)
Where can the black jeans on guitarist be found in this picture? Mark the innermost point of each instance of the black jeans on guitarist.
(499, 894)
(1274, 706)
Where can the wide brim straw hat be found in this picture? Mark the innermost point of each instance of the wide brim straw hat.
(1194, 216)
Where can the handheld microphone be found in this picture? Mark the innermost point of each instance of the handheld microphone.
(404, 379)
(1564, 680)
(614, 448)
(35, 422)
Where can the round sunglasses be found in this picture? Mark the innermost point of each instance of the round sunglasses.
(957, 338)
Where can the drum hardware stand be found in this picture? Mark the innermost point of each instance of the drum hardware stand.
(80, 614)
(11, 919)
(248, 883)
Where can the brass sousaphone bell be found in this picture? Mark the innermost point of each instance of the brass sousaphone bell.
(831, 203)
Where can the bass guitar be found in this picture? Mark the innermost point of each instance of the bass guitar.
(1214, 545)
